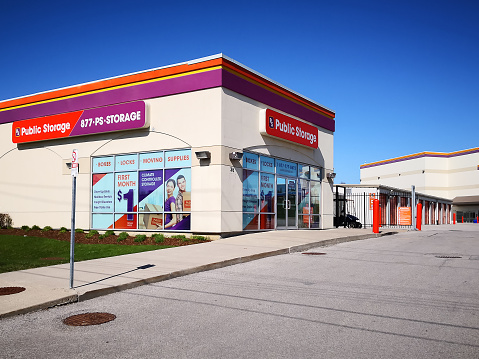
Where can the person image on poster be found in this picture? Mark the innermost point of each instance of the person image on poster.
(181, 182)
(170, 203)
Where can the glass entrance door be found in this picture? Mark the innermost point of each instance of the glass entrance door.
(286, 203)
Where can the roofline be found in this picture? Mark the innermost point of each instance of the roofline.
(422, 155)
(150, 74)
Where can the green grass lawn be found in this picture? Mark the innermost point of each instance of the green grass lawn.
(17, 253)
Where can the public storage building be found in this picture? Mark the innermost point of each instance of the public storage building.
(206, 146)
(448, 175)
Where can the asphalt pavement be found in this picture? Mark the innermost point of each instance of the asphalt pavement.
(49, 286)
(408, 295)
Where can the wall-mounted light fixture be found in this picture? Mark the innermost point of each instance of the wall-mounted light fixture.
(330, 175)
(203, 155)
(236, 156)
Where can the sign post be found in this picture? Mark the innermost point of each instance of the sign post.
(74, 169)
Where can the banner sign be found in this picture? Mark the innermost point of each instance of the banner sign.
(136, 191)
(128, 116)
(405, 216)
(277, 125)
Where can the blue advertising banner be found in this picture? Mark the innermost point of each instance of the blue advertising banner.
(250, 191)
(177, 196)
(102, 220)
(180, 158)
(102, 164)
(250, 161)
(267, 164)
(286, 168)
(142, 191)
(150, 191)
(126, 163)
(102, 192)
(126, 191)
(151, 160)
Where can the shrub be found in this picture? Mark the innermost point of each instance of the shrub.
(107, 234)
(92, 233)
(63, 230)
(158, 237)
(26, 228)
(79, 230)
(200, 238)
(179, 236)
(35, 227)
(5, 220)
(140, 237)
(122, 236)
(47, 228)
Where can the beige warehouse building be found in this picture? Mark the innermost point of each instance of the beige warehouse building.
(453, 176)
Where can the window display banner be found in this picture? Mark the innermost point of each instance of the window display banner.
(285, 168)
(125, 192)
(102, 192)
(267, 192)
(277, 125)
(150, 191)
(177, 198)
(128, 116)
(250, 191)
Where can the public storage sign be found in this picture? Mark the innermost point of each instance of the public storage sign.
(128, 116)
(277, 125)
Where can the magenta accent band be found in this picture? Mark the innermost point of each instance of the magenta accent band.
(177, 85)
(260, 94)
(161, 88)
(107, 119)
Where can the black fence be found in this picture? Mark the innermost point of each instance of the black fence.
(355, 209)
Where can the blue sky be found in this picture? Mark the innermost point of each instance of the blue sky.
(402, 76)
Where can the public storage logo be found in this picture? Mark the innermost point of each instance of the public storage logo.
(277, 125)
(122, 117)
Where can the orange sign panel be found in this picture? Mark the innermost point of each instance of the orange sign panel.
(372, 197)
(405, 216)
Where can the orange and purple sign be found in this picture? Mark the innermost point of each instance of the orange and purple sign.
(287, 128)
(128, 116)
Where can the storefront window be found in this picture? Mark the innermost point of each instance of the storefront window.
(142, 191)
(303, 171)
(264, 177)
(304, 208)
(315, 196)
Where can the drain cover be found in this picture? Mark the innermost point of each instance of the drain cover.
(89, 319)
(314, 253)
(10, 290)
(448, 257)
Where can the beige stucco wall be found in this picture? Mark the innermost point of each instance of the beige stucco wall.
(36, 186)
(446, 177)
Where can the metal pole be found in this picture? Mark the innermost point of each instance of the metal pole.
(72, 237)
(413, 207)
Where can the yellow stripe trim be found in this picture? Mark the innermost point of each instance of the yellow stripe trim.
(113, 88)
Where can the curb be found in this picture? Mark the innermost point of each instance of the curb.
(79, 297)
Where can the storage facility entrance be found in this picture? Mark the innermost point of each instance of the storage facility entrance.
(286, 210)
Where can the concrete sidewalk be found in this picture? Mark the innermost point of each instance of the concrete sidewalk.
(49, 286)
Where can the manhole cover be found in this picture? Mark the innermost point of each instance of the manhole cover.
(10, 290)
(89, 319)
(447, 257)
(314, 253)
